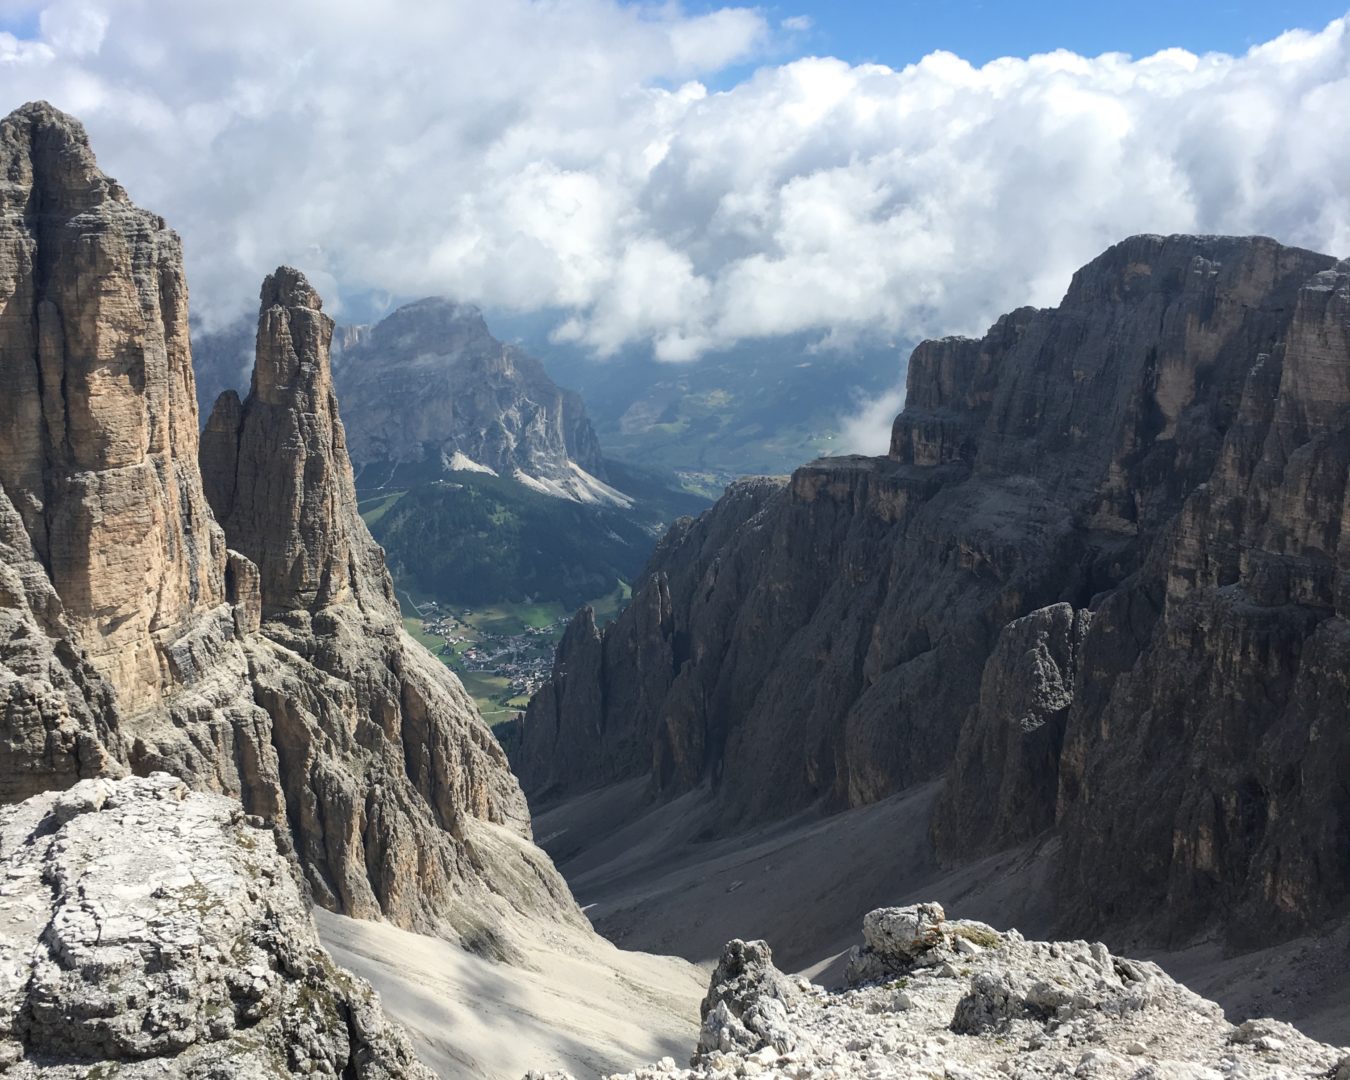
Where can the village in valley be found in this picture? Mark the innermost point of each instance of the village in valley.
(523, 659)
(502, 653)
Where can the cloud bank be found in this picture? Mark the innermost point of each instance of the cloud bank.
(566, 154)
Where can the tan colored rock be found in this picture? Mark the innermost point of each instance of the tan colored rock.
(98, 425)
(276, 467)
(278, 672)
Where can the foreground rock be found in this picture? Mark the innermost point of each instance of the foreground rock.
(963, 1001)
(149, 931)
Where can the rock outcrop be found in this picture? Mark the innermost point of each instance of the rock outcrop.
(150, 931)
(1097, 583)
(275, 671)
(964, 1001)
(276, 469)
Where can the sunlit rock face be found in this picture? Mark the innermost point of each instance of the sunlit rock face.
(98, 422)
(428, 390)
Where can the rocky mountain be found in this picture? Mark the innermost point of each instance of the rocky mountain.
(264, 660)
(760, 406)
(152, 931)
(1096, 585)
(956, 998)
(428, 392)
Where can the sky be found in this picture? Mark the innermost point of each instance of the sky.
(902, 31)
(680, 179)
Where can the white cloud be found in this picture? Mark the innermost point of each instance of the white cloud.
(565, 155)
(868, 430)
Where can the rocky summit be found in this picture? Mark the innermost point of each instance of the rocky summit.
(1097, 586)
(958, 999)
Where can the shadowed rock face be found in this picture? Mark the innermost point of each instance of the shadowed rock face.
(277, 671)
(1097, 582)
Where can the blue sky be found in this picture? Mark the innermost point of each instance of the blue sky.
(900, 31)
(897, 32)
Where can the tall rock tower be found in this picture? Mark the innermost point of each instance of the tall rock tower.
(98, 422)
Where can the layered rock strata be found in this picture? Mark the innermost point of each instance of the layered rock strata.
(388, 775)
(98, 438)
(1097, 583)
(155, 932)
(964, 1001)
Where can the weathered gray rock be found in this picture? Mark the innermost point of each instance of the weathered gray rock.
(429, 389)
(1020, 1009)
(385, 767)
(746, 1004)
(150, 931)
(59, 721)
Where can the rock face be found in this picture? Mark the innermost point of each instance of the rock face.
(276, 469)
(151, 931)
(388, 775)
(98, 423)
(428, 390)
(1097, 583)
(969, 1003)
(132, 638)
(59, 721)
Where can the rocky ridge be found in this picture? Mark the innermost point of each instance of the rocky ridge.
(932, 997)
(152, 931)
(1097, 585)
(275, 669)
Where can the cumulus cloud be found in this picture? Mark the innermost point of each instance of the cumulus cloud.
(566, 154)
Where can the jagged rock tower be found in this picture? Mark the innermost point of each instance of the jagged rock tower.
(131, 637)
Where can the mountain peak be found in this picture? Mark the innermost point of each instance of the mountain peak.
(288, 287)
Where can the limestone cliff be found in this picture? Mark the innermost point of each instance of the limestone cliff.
(132, 638)
(1097, 583)
(389, 777)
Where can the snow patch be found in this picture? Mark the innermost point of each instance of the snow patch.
(580, 487)
(461, 462)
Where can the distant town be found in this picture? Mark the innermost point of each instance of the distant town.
(523, 659)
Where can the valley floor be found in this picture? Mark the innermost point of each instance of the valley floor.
(649, 882)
